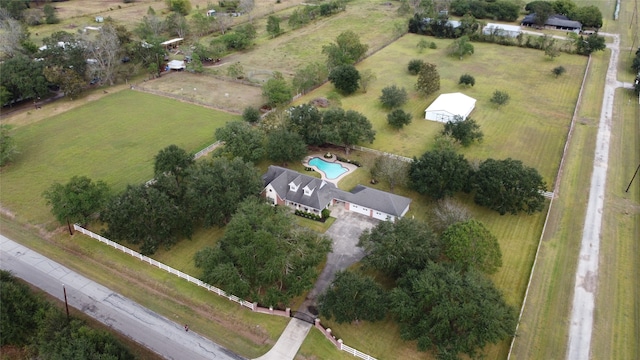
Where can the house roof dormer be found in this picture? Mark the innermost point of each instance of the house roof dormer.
(307, 190)
(293, 187)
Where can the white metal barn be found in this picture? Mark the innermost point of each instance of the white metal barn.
(446, 106)
(502, 30)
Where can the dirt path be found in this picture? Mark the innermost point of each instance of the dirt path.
(581, 326)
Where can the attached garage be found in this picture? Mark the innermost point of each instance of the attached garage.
(447, 106)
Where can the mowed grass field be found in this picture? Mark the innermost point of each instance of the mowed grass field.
(114, 139)
(531, 128)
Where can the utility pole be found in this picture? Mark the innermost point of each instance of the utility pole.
(634, 176)
(66, 303)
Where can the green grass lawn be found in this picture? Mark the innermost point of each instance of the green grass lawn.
(531, 128)
(114, 139)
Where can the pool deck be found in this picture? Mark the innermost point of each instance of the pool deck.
(350, 167)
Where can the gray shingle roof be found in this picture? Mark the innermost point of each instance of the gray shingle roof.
(324, 192)
(280, 178)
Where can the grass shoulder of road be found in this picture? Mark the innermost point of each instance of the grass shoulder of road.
(225, 322)
(617, 313)
(543, 330)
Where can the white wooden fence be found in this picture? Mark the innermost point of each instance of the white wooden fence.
(191, 279)
(169, 269)
(374, 151)
(207, 150)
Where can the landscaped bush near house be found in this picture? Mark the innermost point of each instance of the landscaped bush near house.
(326, 213)
(311, 216)
(354, 162)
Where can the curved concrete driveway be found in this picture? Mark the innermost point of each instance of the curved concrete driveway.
(153, 331)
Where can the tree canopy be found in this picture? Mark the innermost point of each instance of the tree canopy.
(29, 321)
(345, 78)
(347, 128)
(76, 200)
(242, 140)
(285, 146)
(144, 215)
(460, 47)
(353, 297)
(263, 256)
(508, 186)
(172, 160)
(466, 131)
(500, 98)
(398, 118)
(428, 79)
(391, 170)
(440, 173)
(306, 120)
(276, 90)
(471, 245)
(216, 187)
(8, 148)
(347, 50)
(394, 248)
(450, 312)
(393, 97)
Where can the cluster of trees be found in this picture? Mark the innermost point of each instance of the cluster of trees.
(304, 15)
(440, 294)
(263, 256)
(589, 16)
(183, 196)
(23, 10)
(500, 10)
(335, 126)
(393, 98)
(42, 331)
(341, 57)
(506, 186)
(441, 27)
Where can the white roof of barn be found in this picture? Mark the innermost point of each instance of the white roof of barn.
(172, 41)
(504, 27)
(453, 103)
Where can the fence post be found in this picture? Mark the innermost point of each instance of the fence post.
(340, 342)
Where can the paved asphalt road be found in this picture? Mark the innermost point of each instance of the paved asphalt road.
(156, 332)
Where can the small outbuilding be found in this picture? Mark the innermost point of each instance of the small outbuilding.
(502, 30)
(176, 65)
(447, 106)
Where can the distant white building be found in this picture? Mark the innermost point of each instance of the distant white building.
(502, 30)
(211, 12)
(447, 106)
(176, 65)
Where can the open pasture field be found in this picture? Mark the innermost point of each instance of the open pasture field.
(532, 127)
(114, 139)
(207, 90)
(373, 21)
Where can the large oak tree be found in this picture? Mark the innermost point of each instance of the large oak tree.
(394, 248)
(440, 173)
(508, 186)
(451, 312)
(263, 256)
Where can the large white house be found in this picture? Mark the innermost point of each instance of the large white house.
(302, 192)
(447, 106)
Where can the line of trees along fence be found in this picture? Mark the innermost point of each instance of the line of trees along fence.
(249, 305)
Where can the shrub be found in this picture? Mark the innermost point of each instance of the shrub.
(557, 71)
(467, 80)
(251, 114)
(393, 97)
(415, 65)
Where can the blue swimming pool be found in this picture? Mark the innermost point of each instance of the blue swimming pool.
(330, 170)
